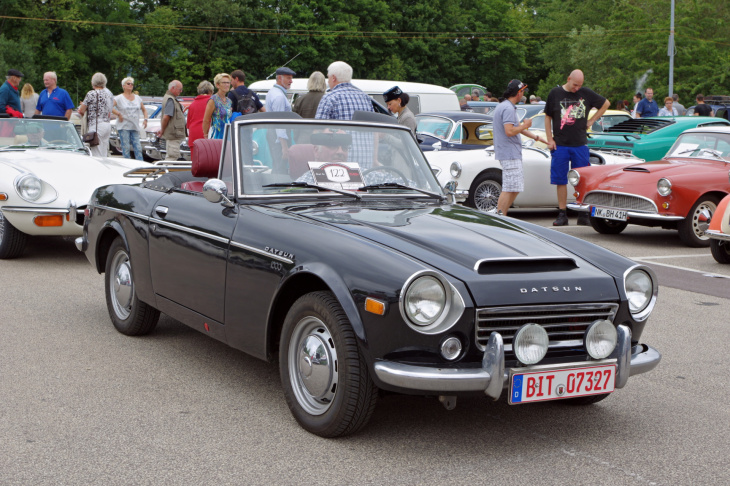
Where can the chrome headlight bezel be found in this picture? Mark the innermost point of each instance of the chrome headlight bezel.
(641, 309)
(450, 310)
(29, 187)
(455, 169)
(664, 186)
(573, 177)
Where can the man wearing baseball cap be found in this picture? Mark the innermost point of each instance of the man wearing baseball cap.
(9, 96)
(508, 144)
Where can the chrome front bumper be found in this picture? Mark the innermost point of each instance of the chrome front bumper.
(492, 377)
(717, 235)
(630, 214)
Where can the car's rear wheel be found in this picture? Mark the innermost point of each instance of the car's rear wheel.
(608, 226)
(485, 190)
(12, 241)
(720, 250)
(326, 381)
(692, 229)
(128, 314)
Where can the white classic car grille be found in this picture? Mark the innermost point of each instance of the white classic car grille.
(620, 201)
(565, 324)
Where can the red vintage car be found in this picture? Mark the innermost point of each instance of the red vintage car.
(680, 191)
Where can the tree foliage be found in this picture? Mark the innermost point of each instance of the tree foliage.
(617, 43)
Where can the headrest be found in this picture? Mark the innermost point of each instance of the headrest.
(206, 157)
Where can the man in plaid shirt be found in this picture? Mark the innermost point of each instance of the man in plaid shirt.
(340, 103)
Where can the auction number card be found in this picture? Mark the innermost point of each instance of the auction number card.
(337, 175)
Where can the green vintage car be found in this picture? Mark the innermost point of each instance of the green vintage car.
(647, 138)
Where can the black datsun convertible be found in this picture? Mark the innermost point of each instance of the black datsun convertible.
(330, 247)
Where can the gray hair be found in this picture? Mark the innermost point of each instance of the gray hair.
(98, 80)
(172, 84)
(317, 82)
(51, 74)
(128, 79)
(341, 70)
(205, 87)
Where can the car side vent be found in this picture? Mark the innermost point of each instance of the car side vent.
(524, 265)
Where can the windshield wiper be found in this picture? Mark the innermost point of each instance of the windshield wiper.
(313, 186)
(395, 185)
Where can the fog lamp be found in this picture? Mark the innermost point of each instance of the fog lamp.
(530, 344)
(451, 348)
(600, 339)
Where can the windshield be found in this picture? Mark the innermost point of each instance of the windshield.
(36, 133)
(702, 145)
(435, 126)
(291, 158)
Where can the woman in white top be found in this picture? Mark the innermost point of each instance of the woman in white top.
(28, 100)
(99, 104)
(132, 109)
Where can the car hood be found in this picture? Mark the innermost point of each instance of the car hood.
(72, 175)
(501, 261)
(665, 167)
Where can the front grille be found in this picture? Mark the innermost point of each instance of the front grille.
(565, 324)
(616, 200)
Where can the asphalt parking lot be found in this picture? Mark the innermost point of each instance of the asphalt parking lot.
(83, 404)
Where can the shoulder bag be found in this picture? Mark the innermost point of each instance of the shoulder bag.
(92, 138)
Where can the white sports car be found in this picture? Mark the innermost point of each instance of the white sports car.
(46, 178)
(475, 176)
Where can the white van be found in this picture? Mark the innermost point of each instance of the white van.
(424, 97)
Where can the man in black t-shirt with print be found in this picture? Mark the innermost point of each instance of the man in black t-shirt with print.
(566, 124)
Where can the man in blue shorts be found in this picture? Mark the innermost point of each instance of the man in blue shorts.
(566, 124)
(54, 101)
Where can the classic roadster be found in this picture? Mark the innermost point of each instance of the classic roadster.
(46, 177)
(337, 254)
(680, 191)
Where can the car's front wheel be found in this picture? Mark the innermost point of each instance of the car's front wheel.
(720, 250)
(608, 226)
(326, 381)
(129, 315)
(485, 190)
(692, 229)
(12, 241)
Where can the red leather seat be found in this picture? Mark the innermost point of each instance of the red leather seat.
(206, 159)
(299, 155)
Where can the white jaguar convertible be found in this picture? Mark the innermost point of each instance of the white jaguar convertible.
(475, 176)
(46, 178)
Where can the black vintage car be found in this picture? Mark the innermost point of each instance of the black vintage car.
(338, 255)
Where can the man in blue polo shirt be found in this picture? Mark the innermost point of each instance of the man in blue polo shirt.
(647, 106)
(54, 101)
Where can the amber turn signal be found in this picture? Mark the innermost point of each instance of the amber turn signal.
(3, 196)
(52, 220)
(375, 306)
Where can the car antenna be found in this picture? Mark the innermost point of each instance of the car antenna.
(287, 62)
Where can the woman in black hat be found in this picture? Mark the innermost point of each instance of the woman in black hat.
(397, 100)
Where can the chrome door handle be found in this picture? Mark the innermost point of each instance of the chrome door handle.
(161, 211)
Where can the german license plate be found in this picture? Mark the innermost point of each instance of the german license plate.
(606, 213)
(556, 384)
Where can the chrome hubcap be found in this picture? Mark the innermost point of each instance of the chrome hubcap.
(486, 195)
(702, 218)
(122, 286)
(313, 365)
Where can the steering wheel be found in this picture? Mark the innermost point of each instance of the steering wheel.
(383, 168)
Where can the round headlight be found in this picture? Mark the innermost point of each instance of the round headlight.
(451, 348)
(601, 339)
(425, 300)
(29, 187)
(573, 177)
(664, 187)
(455, 170)
(530, 344)
(639, 290)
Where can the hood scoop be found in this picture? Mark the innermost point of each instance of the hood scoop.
(635, 169)
(501, 266)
